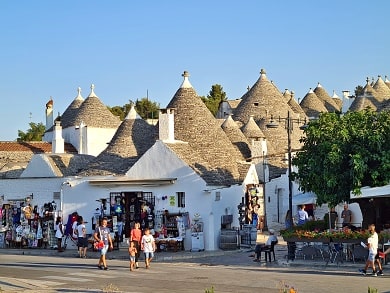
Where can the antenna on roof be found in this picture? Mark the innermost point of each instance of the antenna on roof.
(30, 116)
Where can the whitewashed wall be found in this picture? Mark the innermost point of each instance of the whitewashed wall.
(43, 189)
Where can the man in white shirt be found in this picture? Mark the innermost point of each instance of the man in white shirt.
(372, 245)
(260, 247)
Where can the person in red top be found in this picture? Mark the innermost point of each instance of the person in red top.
(136, 236)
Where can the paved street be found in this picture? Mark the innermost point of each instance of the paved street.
(227, 271)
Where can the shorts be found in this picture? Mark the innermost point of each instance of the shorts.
(149, 254)
(132, 258)
(104, 249)
(371, 256)
(82, 242)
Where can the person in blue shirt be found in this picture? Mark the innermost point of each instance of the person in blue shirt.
(302, 215)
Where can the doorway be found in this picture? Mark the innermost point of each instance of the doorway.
(132, 207)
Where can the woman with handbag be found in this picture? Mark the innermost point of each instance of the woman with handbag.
(102, 234)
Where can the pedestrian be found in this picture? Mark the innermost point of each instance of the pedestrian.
(59, 227)
(102, 233)
(378, 259)
(82, 240)
(288, 220)
(372, 245)
(346, 215)
(148, 246)
(302, 215)
(74, 220)
(135, 236)
(333, 218)
(132, 253)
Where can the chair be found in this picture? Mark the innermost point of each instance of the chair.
(309, 251)
(269, 250)
(359, 253)
(337, 252)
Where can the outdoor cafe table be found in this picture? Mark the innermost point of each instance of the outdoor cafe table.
(329, 243)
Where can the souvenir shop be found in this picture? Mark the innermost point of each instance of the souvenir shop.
(25, 225)
(124, 209)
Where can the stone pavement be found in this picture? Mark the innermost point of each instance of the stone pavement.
(242, 254)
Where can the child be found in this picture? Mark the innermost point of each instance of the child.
(132, 253)
(148, 245)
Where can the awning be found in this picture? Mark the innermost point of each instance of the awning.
(370, 192)
(304, 198)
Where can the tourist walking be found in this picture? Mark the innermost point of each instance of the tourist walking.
(372, 245)
(135, 236)
(102, 233)
(82, 239)
(148, 245)
(132, 253)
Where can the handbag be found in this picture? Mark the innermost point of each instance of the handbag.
(98, 245)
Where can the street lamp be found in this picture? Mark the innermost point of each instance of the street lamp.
(289, 125)
(264, 197)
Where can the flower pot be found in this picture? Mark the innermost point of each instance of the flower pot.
(353, 241)
(293, 239)
(323, 240)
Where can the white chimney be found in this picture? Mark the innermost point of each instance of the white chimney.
(58, 143)
(166, 125)
(49, 114)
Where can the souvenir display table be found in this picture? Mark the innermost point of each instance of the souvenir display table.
(169, 244)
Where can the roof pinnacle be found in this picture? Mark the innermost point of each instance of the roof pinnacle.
(186, 83)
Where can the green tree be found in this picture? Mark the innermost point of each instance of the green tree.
(342, 153)
(359, 91)
(118, 111)
(214, 98)
(145, 108)
(34, 133)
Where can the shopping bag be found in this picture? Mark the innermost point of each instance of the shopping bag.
(98, 245)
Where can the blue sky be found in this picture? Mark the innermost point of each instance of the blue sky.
(130, 48)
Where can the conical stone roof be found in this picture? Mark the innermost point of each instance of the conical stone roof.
(328, 102)
(195, 125)
(361, 103)
(69, 115)
(94, 113)
(312, 105)
(382, 91)
(235, 135)
(337, 100)
(264, 101)
(295, 106)
(387, 82)
(252, 130)
(132, 139)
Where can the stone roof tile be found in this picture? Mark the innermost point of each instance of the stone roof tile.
(312, 105)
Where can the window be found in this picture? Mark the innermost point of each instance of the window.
(181, 199)
(217, 196)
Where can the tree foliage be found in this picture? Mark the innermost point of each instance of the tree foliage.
(34, 133)
(342, 153)
(145, 108)
(214, 98)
